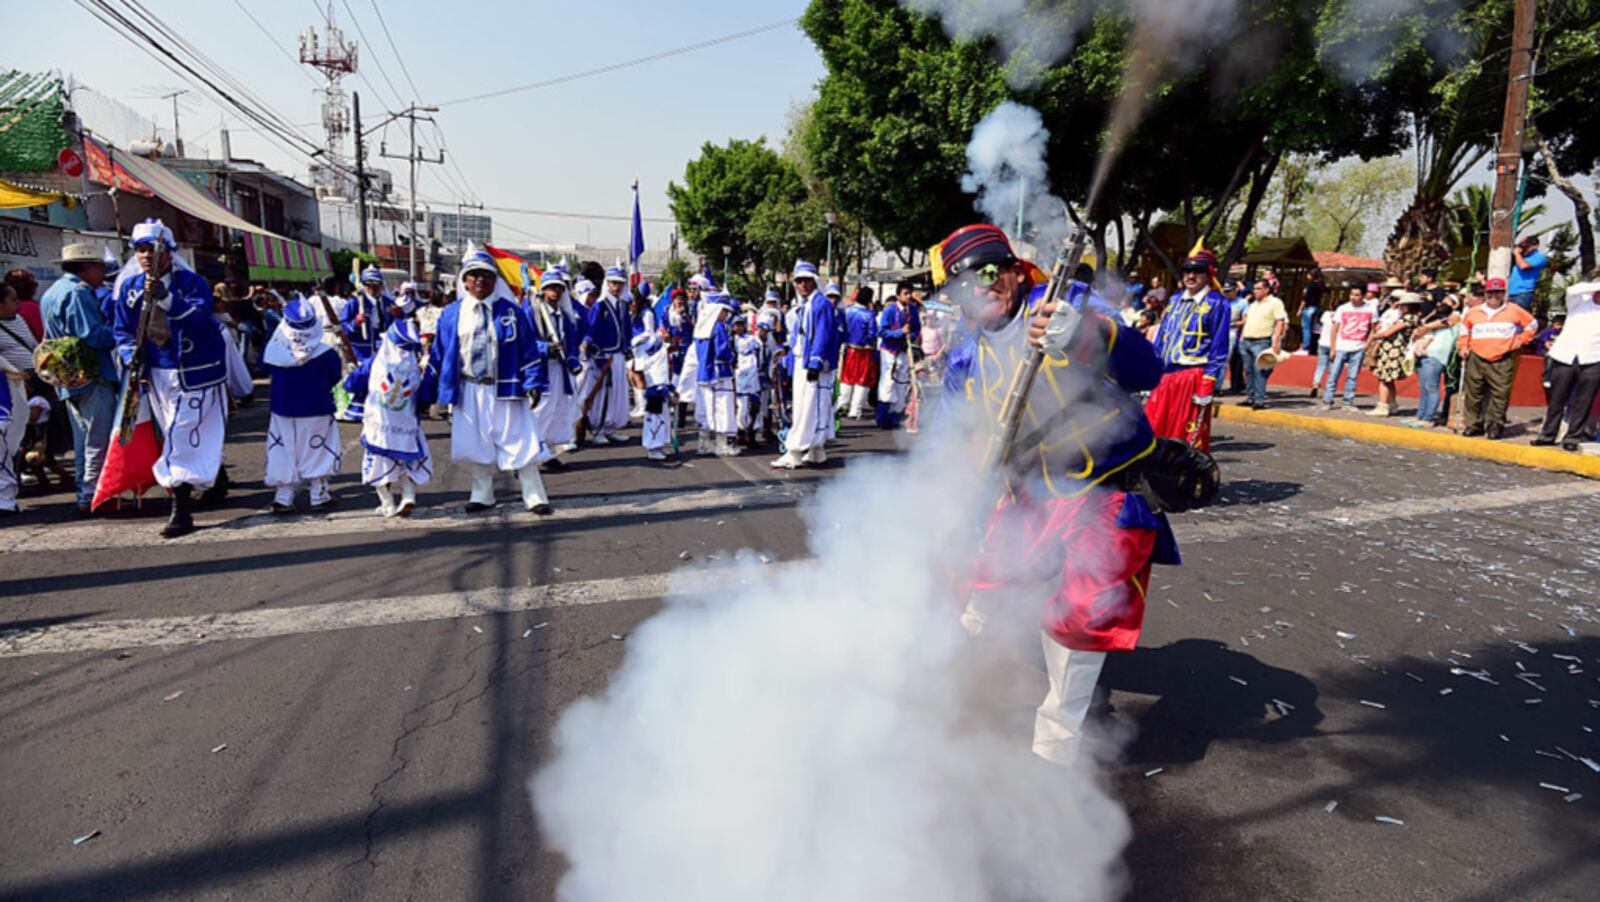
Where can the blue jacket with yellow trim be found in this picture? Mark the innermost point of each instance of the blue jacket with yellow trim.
(1194, 332)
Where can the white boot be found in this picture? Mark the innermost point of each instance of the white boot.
(816, 455)
(408, 497)
(385, 500)
(320, 496)
(705, 445)
(283, 500)
(726, 447)
(482, 488)
(599, 438)
(789, 461)
(533, 493)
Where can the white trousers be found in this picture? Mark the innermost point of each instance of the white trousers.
(658, 428)
(193, 426)
(750, 409)
(557, 412)
(493, 431)
(610, 411)
(380, 469)
(813, 412)
(11, 432)
(301, 448)
(717, 405)
(894, 380)
(1058, 722)
(855, 398)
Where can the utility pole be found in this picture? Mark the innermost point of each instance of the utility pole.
(177, 137)
(361, 173)
(413, 158)
(1508, 162)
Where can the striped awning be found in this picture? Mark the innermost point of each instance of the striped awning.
(280, 260)
(131, 173)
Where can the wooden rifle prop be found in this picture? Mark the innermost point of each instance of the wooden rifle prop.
(1059, 330)
(601, 384)
(333, 320)
(133, 376)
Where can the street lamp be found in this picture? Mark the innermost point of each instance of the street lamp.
(727, 254)
(832, 218)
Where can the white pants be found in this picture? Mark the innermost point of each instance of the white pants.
(1058, 722)
(193, 426)
(894, 380)
(301, 448)
(855, 398)
(609, 414)
(11, 431)
(380, 469)
(717, 405)
(750, 410)
(493, 431)
(813, 412)
(658, 428)
(557, 412)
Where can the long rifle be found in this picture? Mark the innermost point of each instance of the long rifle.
(338, 327)
(1001, 446)
(133, 376)
(584, 426)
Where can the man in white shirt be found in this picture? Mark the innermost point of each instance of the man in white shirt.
(1572, 378)
(1352, 326)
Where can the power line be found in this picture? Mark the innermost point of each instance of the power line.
(561, 215)
(361, 31)
(613, 67)
(400, 59)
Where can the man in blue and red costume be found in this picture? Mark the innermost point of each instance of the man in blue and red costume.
(1068, 549)
(1193, 344)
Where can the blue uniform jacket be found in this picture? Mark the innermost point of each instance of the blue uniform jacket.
(72, 310)
(892, 327)
(519, 354)
(817, 334)
(716, 356)
(607, 328)
(561, 347)
(196, 350)
(1113, 433)
(365, 338)
(305, 390)
(860, 328)
(1194, 332)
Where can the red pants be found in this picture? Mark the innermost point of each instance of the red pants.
(1100, 570)
(1173, 413)
(860, 367)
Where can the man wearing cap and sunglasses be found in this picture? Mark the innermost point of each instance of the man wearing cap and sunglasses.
(71, 309)
(1192, 342)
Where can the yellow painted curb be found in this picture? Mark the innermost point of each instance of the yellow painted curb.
(1405, 437)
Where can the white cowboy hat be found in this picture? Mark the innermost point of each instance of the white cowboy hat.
(82, 253)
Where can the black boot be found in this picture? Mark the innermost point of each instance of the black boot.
(219, 489)
(181, 523)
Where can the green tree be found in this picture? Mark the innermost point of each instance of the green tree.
(676, 272)
(1355, 196)
(343, 258)
(1550, 294)
(722, 189)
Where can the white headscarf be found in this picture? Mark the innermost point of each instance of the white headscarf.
(292, 347)
(712, 306)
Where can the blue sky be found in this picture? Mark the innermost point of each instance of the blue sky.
(573, 147)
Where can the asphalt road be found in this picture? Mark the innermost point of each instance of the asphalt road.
(335, 707)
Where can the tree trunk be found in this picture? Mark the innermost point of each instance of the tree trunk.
(1580, 205)
(1420, 238)
(1258, 190)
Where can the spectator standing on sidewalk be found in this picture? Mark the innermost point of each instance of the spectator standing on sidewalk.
(1528, 264)
(72, 310)
(1352, 326)
(1325, 334)
(1434, 344)
(1311, 311)
(1391, 348)
(1265, 322)
(1238, 303)
(27, 288)
(1572, 374)
(1490, 337)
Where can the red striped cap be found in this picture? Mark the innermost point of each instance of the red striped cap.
(974, 245)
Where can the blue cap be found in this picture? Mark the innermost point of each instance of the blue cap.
(616, 274)
(804, 270)
(299, 314)
(478, 260)
(772, 295)
(371, 274)
(832, 290)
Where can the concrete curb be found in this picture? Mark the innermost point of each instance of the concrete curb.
(1552, 459)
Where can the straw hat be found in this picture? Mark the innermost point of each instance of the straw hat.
(82, 252)
(1267, 359)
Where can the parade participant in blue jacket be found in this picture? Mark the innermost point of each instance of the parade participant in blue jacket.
(860, 369)
(394, 385)
(1074, 517)
(186, 365)
(302, 437)
(1193, 344)
(367, 314)
(716, 403)
(560, 328)
(606, 338)
(816, 354)
(896, 325)
(492, 373)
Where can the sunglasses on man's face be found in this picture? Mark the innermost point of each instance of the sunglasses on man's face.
(988, 275)
(1195, 270)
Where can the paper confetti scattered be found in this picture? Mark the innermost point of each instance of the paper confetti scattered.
(1150, 773)
(1385, 819)
(86, 837)
(1330, 806)
(1373, 704)
(172, 695)
(219, 748)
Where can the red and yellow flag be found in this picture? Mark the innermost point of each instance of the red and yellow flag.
(511, 267)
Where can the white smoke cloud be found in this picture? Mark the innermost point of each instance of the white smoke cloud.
(1008, 175)
(825, 730)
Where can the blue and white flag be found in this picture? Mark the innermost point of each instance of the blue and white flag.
(636, 242)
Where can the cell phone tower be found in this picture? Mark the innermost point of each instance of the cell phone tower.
(335, 58)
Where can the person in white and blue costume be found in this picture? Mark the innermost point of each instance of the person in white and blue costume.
(560, 328)
(652, 358)
(302, 437)
(699, 286)
(395, 383)
(491, 368)
(716, 404)
(606, 336)
(815, 343)
(366, 315)
(751, 376)
(895, 328)
(186, 359)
